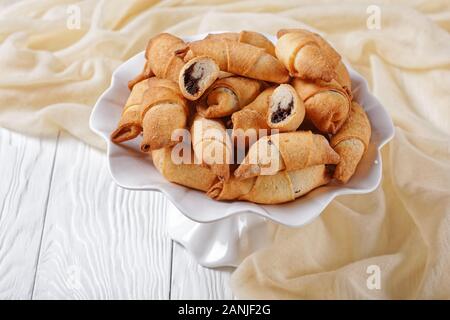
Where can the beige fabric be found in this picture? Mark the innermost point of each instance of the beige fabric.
(51, 77)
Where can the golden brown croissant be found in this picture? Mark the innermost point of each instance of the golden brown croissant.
(251, 120)
(250, 37)
(327, 103)
(286, 151)
(197, 76)
(306, 55)
(239, 58)
(212, 145)
(129, 126)
(282, 187)
(351, 142)
(162, 58)
(286, 110)
(164, 111)
(190, 175)
(228, 95)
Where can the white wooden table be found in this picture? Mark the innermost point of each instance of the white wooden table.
(68, 232)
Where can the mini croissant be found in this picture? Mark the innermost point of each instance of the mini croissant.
(239, 58)
(327, 103)
(212, 145)
(286, 151)
(279, 188)
(130, 126)
(162, 58)
(306, 55)
(228, 95)
(190, 175)
(250, 37)
(164, 110)
(351, 142)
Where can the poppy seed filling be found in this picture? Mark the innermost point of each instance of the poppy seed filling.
(282, 111)
(192, 76)
(330, 168)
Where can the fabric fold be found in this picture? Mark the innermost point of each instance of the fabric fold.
(53, 74)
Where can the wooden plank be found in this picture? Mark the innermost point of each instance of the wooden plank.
(101, 241)
(192, 281)
(25, 171)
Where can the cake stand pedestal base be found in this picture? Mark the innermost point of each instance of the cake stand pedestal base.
(224, 243)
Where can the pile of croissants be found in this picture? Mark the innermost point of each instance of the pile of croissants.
(296, 97)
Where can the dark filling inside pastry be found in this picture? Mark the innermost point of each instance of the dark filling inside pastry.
(192, 76)
(282, 112)
(330, 168)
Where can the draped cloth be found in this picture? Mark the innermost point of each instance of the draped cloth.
(57, 57)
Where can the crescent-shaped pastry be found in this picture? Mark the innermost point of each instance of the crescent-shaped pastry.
(282, 187)
(212, 145)
(164, 110)
(162, 57)
(130, 126)
(351, 141)
(228, 95)
(250, 37)
(239, 58)
(286, 151)
(327, 103)
(189, 175)
(306, 55)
